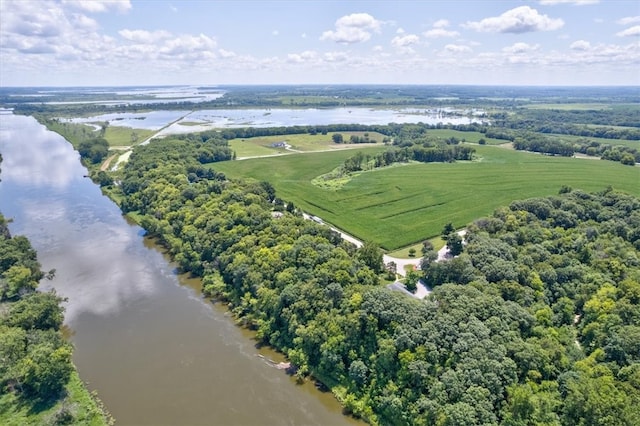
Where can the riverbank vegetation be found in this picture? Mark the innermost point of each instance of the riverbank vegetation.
(535, 322)
(38, 381)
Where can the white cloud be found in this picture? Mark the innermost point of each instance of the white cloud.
(99, 6)
(226, 53)
(335, 57)
(457, 48)
(305, 56)
(441, 23)
(188, 43)
(521, 48)
(353, 28)
(405, 41)
(630, 32)
(576, 2)
(580, 45)
(522, 19)
(143, 36)
(440, 33)
(629, 20)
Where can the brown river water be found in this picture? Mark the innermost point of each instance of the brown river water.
(155, 351)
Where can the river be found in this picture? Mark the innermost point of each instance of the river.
(145, 340)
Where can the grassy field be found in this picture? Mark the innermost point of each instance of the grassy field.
(261, 146)
(400, 206)
(125, 136)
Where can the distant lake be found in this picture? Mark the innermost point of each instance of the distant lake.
(270, 117)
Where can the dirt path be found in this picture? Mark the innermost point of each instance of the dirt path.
(105, 164)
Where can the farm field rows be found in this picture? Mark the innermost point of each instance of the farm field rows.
(399, 206)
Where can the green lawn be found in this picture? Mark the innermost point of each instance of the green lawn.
(400, 206)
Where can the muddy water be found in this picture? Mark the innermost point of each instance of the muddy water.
(153, 349)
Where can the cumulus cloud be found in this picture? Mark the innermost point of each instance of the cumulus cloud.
(354, 28)
(576, 2)
(457, 48)
(630, 32)
(335, 57)
(439, 30)
(99, 6)
(441, 23)
(143, 36)
(521, 48)
(306, 56)
(440, 33)
(629, 20)
(522, 19)
(580, 45)
(405, 40)
(188, 43)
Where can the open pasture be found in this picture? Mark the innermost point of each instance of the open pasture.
(399, 206)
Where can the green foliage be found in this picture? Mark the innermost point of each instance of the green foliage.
(494, 343)
(35, 360)
(94, 150)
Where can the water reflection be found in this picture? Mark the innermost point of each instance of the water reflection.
(156, 352)
(38, 160)
(70, 230)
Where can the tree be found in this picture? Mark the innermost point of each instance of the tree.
(45, 370)
(371, 255)
(411, 282)
(412, 252)
(36, 311)
(454, 244)
(337, 138)
(448, 229)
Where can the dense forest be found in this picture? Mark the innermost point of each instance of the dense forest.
(536, 322)
(36, 372)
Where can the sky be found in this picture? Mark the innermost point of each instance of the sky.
(173, 42)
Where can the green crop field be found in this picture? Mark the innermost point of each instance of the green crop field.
(399, 206)
(262, 146)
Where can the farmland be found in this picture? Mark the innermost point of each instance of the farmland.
(398, 206)
(268, 145)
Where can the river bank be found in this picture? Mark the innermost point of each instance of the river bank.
(132, 318)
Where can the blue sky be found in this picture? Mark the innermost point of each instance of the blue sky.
(153, 42)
